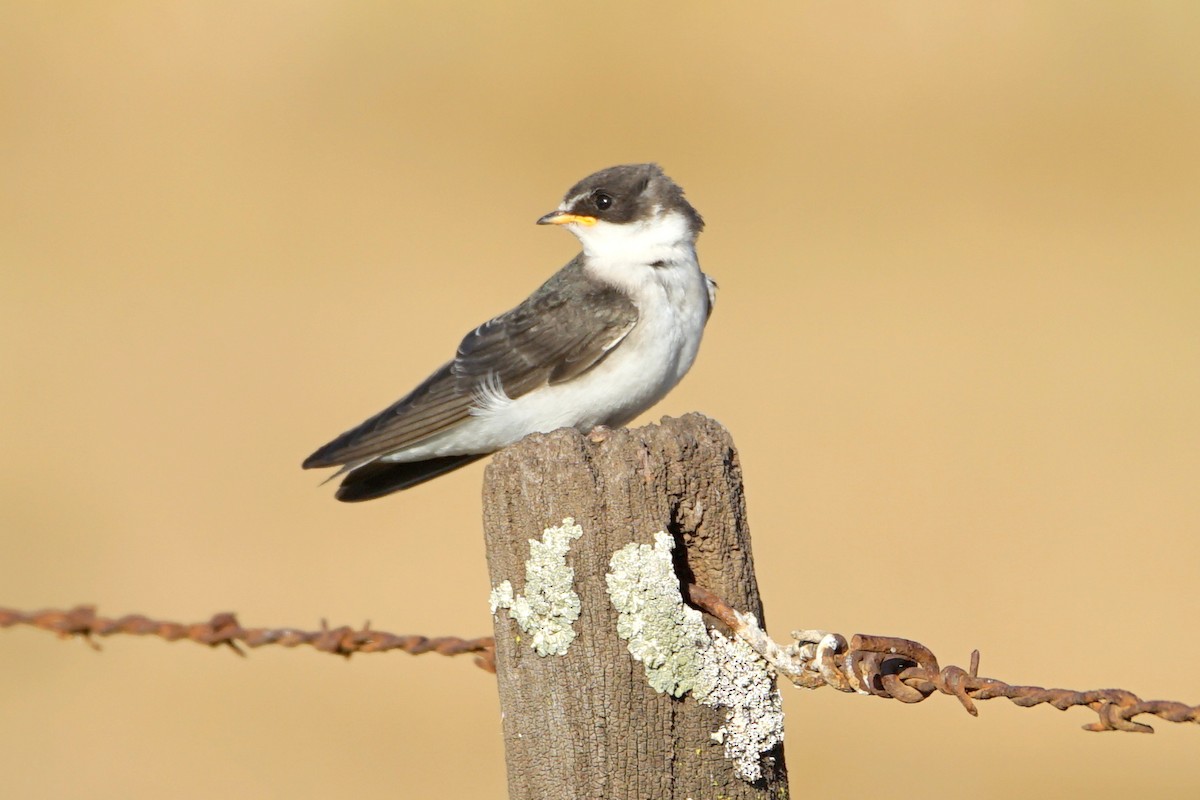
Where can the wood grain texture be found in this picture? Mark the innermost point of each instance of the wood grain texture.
(586, 724)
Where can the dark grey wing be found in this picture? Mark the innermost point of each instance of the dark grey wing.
(564, 329)
(433, 406)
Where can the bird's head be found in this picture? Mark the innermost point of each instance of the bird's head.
(627, 209)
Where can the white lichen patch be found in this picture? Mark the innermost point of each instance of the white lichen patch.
(549, 607)
(680, 655)
(746, 686)
(501, 597)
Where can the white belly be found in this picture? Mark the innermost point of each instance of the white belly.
(672, 303)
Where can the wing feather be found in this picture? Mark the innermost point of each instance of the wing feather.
(563, 330)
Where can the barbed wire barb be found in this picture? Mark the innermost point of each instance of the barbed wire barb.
(881, 666)
(224, 630)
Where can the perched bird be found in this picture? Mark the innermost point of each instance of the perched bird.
(601, 341)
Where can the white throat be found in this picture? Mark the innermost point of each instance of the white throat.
(665, 238)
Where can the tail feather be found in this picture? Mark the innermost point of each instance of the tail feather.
(377, 478)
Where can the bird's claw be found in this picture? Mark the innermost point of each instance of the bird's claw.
(599, 434)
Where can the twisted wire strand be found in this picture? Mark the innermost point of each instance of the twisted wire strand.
(904, 670)
(224, 630)
(882, 666)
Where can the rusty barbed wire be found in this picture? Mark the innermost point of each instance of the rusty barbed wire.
(224, 630)
(882, 666)
(904, 670)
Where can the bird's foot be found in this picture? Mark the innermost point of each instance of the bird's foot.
(599, 434)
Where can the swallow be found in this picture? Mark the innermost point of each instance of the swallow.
(604, 339)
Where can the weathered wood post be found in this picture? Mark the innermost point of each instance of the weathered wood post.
(581, 717)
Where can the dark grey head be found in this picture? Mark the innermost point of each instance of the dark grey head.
(623, 194)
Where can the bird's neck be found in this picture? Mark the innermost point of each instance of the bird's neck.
(664, 239)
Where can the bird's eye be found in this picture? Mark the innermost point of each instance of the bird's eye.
(603, 201)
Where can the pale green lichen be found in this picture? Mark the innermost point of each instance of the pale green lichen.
(680, 655)
(501, 597)
(549, 606)
(663, 633)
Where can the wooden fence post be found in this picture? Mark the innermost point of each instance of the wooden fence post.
(581, 719)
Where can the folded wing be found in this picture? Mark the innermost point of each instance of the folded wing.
(564, 329)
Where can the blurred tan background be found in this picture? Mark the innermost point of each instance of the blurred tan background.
(957, 342)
